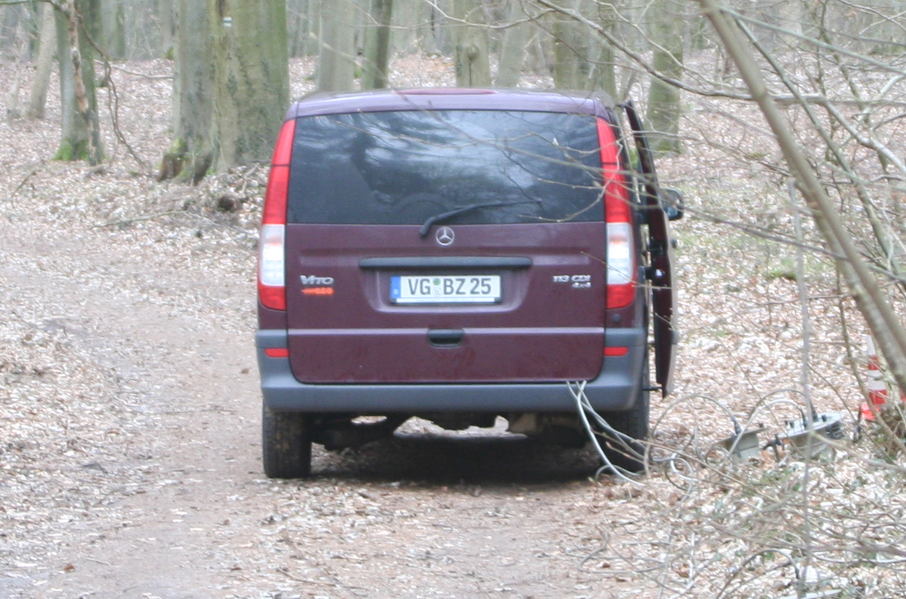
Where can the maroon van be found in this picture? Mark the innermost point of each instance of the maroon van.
(457, 255)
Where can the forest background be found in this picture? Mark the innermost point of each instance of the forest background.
(782, 122)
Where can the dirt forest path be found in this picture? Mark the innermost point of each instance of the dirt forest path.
(135, 471)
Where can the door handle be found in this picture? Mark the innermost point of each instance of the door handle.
(445, 337)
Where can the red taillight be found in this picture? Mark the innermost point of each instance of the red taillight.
(276, 352)
(621, 254)
(278, 182)
(271, 244)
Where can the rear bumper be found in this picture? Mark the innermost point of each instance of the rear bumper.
(616, 387)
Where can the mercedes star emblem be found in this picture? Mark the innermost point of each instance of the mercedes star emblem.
(444, 236)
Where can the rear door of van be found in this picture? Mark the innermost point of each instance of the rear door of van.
(446, 246)
(660, 248)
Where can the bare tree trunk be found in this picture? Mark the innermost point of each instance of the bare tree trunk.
(15, 40)
(313, 28)
(47, 49)
(113, 17)
(336, 59)
(377, 45)
(513, 47)
(143, 30)
(166, 15)
(603, 73)
(75, 131)
(191, 153)
(360, 18)
(407, 15)
(297, 26)
(251, 78)
(571, 49)
(431, 28)
(84, 18)
(473, 68)
(664, 110)
(302, 26)
(81, 129)
(9, 29)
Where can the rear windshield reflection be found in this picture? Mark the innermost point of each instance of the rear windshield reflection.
(405, 167)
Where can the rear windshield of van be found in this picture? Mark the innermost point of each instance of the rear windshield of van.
(404, 167)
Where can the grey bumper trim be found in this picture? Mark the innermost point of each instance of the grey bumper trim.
(616, 387)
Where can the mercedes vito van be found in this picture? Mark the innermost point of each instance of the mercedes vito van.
(458, 255)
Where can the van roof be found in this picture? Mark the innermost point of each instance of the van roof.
(321, 103)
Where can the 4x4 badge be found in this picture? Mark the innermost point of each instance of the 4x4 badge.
(444, 236)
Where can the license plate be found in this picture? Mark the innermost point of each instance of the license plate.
(445, 289)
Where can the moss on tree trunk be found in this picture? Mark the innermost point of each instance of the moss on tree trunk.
(183, 163)
(71, 150)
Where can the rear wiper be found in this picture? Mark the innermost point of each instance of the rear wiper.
(436, 218)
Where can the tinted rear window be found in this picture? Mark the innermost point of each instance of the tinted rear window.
(403, 167)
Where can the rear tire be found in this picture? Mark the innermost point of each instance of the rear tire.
(634, 423)
(285, 444)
